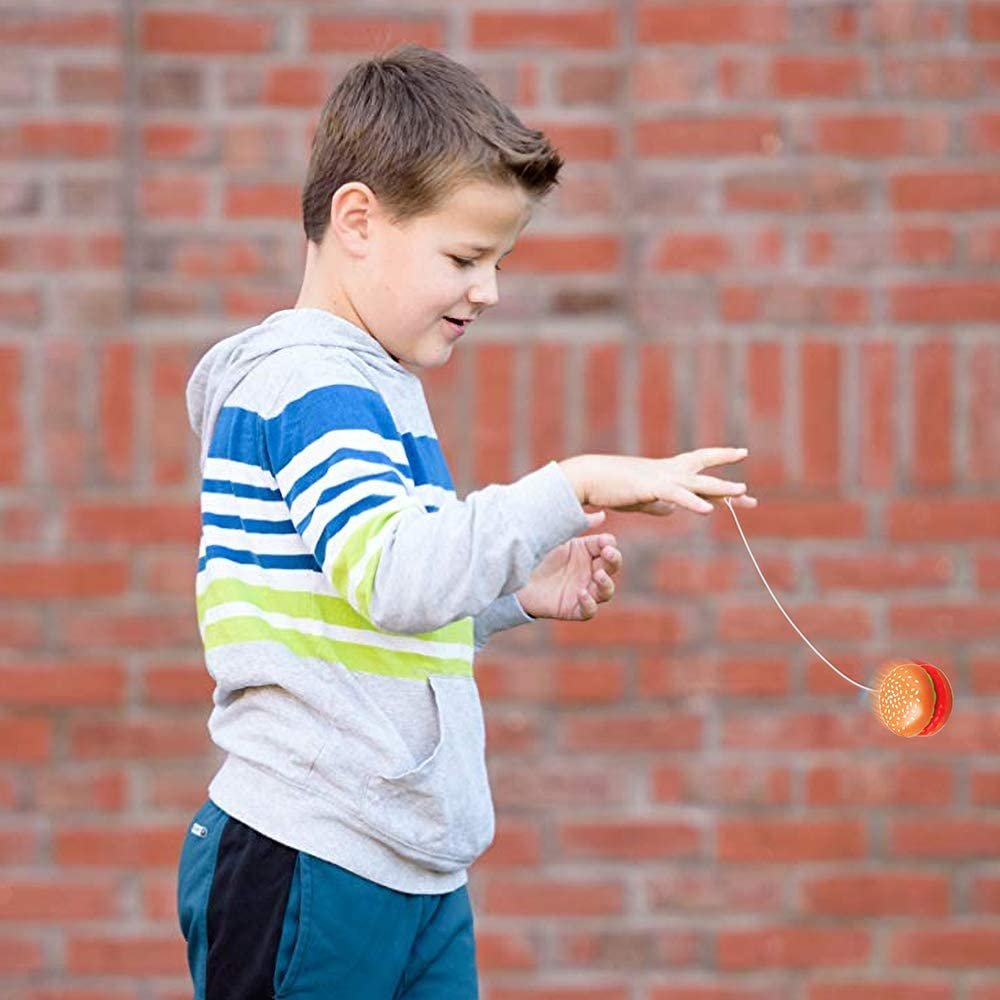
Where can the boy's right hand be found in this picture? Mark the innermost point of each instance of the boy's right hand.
(655, 485)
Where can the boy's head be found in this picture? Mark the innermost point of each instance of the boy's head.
(419, 182)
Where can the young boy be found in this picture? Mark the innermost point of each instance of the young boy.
(343, 588)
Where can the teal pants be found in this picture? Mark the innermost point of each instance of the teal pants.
(263, 920)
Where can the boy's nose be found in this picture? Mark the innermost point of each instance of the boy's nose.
(485, 293)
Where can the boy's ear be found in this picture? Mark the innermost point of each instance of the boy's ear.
(351, 208)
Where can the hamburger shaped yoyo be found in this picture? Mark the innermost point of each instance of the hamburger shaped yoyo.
(912, 698)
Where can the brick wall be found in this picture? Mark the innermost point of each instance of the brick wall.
(778, 228)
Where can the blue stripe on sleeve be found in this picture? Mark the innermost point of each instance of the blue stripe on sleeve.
(249, 524)
(334, 491)
(239, 489)
(236, 436)
(328, 408)
(264, 561)
(320, 469)
(338, 522)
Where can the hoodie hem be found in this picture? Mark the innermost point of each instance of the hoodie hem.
(292, 816)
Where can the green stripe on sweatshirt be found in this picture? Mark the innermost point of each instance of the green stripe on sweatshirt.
(316, 607)
(353, 656)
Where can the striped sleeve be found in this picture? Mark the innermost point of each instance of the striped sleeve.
(340, 464)
(341, 467)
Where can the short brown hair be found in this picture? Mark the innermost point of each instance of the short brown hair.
(414, 125)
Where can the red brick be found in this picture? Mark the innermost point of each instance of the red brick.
(700, 252)
(61, 29)
(173, 197)
(623, 623)
(711, 23)
(153, 738)
(632, 731)
(547, 424)
(20, 954)
(898, 785)
(798, 730)
(878, 894)
(970, 944)
(792, 947)
(116, 409)
(818, 76)
(601, 381)
(673, 77)
(879, 989)
(820, 393)
(12, 441)
(128, 954)
(493, 409)
(539, 897)
(784, 841)
(945, 191)
(501, 951)
(888, 571)
(200, 33)
(62, 683)
(555, 783)
(621, 949)
(983, 22)
(118, 845)
(45, 579)
(72, 789)
(933, 403)
(365, 34)
(274, 200)
(565, 254)
(954, 302)
(705, 136)
(89, 84)
(175, 141)
(983, 377)
(735, 677)
(943, 836)
(516, 844)
(827, 190)
(294, 86)
(76, 139)
(658, 430)
(694, 890)
(946, 620)
(133, 522)
(587, 29)
(58, 901)
(25, 738)
(631, 840)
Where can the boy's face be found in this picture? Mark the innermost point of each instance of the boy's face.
(437, 265)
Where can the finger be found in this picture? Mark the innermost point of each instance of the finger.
(711, 486)
(596, 519)
(597, 543)
(707, 457)
(747, 503)
(610, 560)
(605, 586)
(587, 605)
(685, 498)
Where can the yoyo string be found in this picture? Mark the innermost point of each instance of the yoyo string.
(863, 687)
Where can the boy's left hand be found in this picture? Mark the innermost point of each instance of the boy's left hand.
(574, 577)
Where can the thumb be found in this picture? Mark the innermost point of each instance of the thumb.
(595, 519)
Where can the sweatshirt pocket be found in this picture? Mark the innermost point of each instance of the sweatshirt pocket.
(439, 813)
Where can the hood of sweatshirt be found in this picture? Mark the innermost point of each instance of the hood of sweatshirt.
(228, 362)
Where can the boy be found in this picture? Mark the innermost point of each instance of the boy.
(343, 588)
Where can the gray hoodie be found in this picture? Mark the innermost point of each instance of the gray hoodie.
(342, 591)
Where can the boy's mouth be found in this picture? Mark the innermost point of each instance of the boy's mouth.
(458, 325)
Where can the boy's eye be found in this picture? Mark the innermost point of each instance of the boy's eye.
(464, 262)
